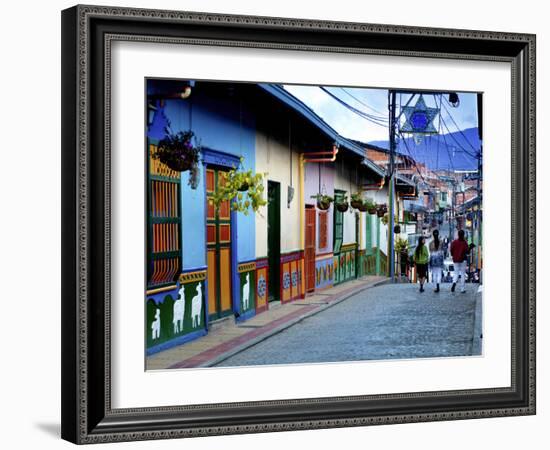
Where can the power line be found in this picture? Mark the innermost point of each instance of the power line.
(458, 128)
(456, 141)
(362, 103)
(380, 121)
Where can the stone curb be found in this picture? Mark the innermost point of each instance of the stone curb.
(288, 324)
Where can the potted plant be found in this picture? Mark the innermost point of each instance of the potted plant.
(342, 204)
(179, 151)
(323, 201)
(397, 229)
(401, 245)
(241, 199)
(357, 200)
(381, 210)
(386, 219)
(370, 206)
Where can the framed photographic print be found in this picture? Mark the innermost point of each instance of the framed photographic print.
(282, 224)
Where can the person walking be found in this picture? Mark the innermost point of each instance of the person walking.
(436, 260)
(421, 258)
(459, 252)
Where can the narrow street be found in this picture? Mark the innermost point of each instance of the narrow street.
(390, 321)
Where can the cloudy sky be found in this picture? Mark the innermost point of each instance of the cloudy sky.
(375, 103)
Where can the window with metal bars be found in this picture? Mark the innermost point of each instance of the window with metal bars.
(163, 223)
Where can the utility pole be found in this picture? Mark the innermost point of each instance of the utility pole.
(479, 214)
(391, 243)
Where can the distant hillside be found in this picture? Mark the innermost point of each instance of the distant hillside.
(450, 151)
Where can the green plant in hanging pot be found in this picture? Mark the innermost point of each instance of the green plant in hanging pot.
(386, 219)
(233, 190)
(341, 203)
(357, 200)
(180, 152)
(323, 201)
(381, 210)
(370, 206)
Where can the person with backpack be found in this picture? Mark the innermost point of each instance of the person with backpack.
(421, 258)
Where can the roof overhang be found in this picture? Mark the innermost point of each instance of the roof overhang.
(301, 108)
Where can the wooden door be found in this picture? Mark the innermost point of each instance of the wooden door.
(218, 243)
(274, 239)
(309, 251)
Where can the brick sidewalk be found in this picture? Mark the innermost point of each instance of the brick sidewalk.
(231, 337)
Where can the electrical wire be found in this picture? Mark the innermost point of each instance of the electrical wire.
(459, 145)
(376, 120)
(458, 128)
(361, 102)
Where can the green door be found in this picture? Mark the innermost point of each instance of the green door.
(339, 272)
(274, 239)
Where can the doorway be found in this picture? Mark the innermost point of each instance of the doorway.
(274, 239)
(309, 250)
(218, 243)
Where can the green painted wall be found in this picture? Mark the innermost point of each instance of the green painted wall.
(193, 315)
(251, 291)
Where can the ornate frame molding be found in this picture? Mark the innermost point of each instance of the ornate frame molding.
(87, 416)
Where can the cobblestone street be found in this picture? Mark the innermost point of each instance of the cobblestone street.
(385, 322)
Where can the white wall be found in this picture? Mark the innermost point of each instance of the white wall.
(343, 183)
(30, 390)
(274, 158)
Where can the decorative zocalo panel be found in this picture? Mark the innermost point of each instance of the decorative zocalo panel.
(175, 318)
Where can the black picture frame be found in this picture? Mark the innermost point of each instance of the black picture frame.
(87, 416)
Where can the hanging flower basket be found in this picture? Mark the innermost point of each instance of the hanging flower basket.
(243, 187)
(370, 206)
(342, 207)
(323, 201)
(341, 203)
(381, 210)
(242, 200)
(177, 151)
(363, 207)
(356, 200)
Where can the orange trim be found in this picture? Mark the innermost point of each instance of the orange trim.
(332, 154)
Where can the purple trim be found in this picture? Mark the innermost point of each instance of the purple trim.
(247, 262)
(219, 158)
(261, 263)
(294, 256)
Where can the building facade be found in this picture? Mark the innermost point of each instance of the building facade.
(207, 264)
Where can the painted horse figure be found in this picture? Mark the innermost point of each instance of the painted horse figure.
(179, 312)
(155, 326)
(196, 307)
(246, 293)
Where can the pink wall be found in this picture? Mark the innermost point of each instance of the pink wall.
(311, 187)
